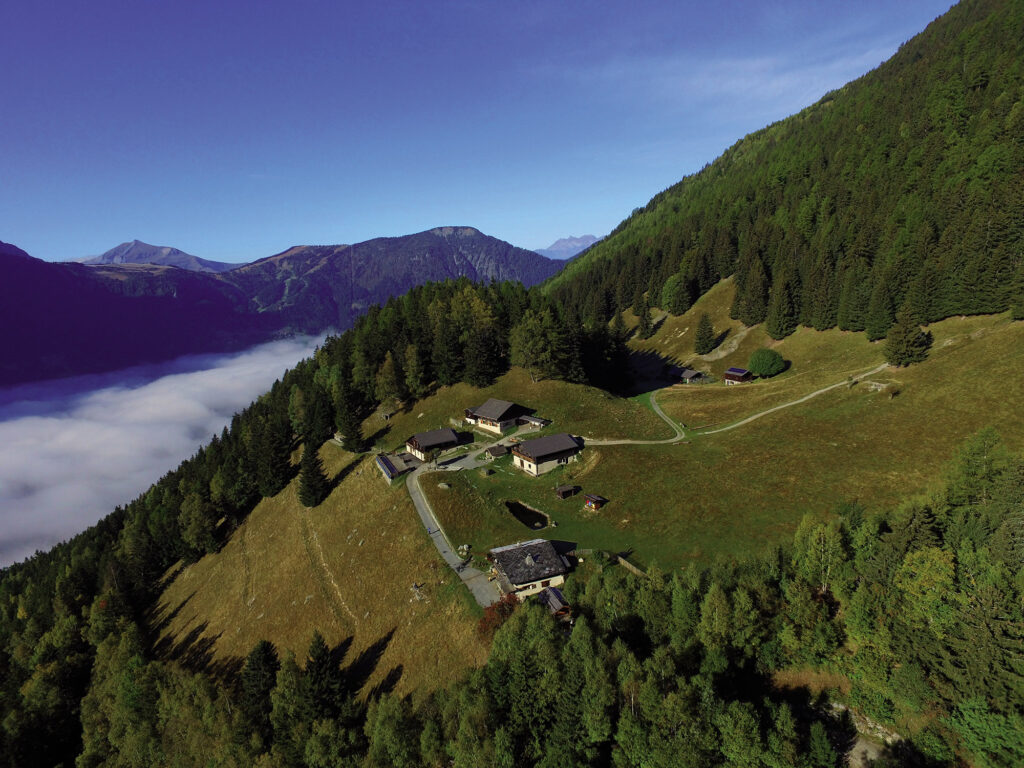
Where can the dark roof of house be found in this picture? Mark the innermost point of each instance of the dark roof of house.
(567, 489)
(738, 371)
(494, 410)
(389, 469)
(529, 561)
(497, 450)
(436, 438)
(537, 450)
(689, 373)
(593, 497)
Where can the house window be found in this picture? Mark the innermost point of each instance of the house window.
(545, 583)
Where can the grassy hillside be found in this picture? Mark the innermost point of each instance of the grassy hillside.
(345, 568)
(574, 408)
(724, 492)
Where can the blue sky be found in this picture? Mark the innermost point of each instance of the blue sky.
(234, 130)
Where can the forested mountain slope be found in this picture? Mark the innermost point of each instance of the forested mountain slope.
(314, 287)
(903, 188)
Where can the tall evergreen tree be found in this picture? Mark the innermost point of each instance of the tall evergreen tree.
(854, 298)
(704, 341)
(323, 678)
(781, 319)
(258, 678)
(906, 343)
(313, 483)
(880, 312)
(415, 372)
(645, 328)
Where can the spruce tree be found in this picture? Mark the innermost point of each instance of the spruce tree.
(752, 302)
(705, 340)
(415, 372)
(880, 312)
(313, 483)
(645, 329)
(257, 681)
(906, 343)
(854, 298)
(781, 320)
(323, 678)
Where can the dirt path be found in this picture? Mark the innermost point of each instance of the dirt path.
(728, 347)
(803, 399)
(321, 573)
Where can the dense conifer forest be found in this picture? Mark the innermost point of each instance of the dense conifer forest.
(898, 197)
(900, 190)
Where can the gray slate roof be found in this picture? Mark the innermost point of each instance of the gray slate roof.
(494, 409)
(425, 441)
(538, 450)
(529, 561)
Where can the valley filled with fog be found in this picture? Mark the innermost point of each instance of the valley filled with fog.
(73, 449)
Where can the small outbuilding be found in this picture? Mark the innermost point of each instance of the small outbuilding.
(553, 599)
(737, 376)
(496, 452)
(528, 567)
(535, 457)
(565, 491)
(593, 502)
(532, 421)
(497, 416)
(393, 466)
(423, 445)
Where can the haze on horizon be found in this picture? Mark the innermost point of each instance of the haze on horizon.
(233, 133)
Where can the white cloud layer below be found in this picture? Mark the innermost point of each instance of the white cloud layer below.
(72, 450)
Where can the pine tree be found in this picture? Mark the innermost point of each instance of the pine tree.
(705, 339)
(415, 372)
(645, 329)
(880, 312)
(313, 483)
(854, 298)
(781, 320)
(346, 413)
(323, 678)
(905, 342)
(258, 678)
(751, 306)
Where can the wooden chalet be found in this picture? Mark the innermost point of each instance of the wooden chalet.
(528, 567)
(424, 445)
(593, 502)
(535, 457)
(737, 376)
(497, 416)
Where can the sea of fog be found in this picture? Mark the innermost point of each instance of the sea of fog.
(73, 449)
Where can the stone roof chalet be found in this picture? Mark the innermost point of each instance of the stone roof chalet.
(529, 561)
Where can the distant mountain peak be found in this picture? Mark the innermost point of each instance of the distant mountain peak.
(567, 247)
(139, 252)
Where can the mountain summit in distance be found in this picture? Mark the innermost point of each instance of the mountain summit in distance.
(567, 247)
(126, 307)
(138, 252)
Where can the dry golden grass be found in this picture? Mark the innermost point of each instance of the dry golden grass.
(345, 568)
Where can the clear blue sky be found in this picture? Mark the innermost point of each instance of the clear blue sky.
(233, 130)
